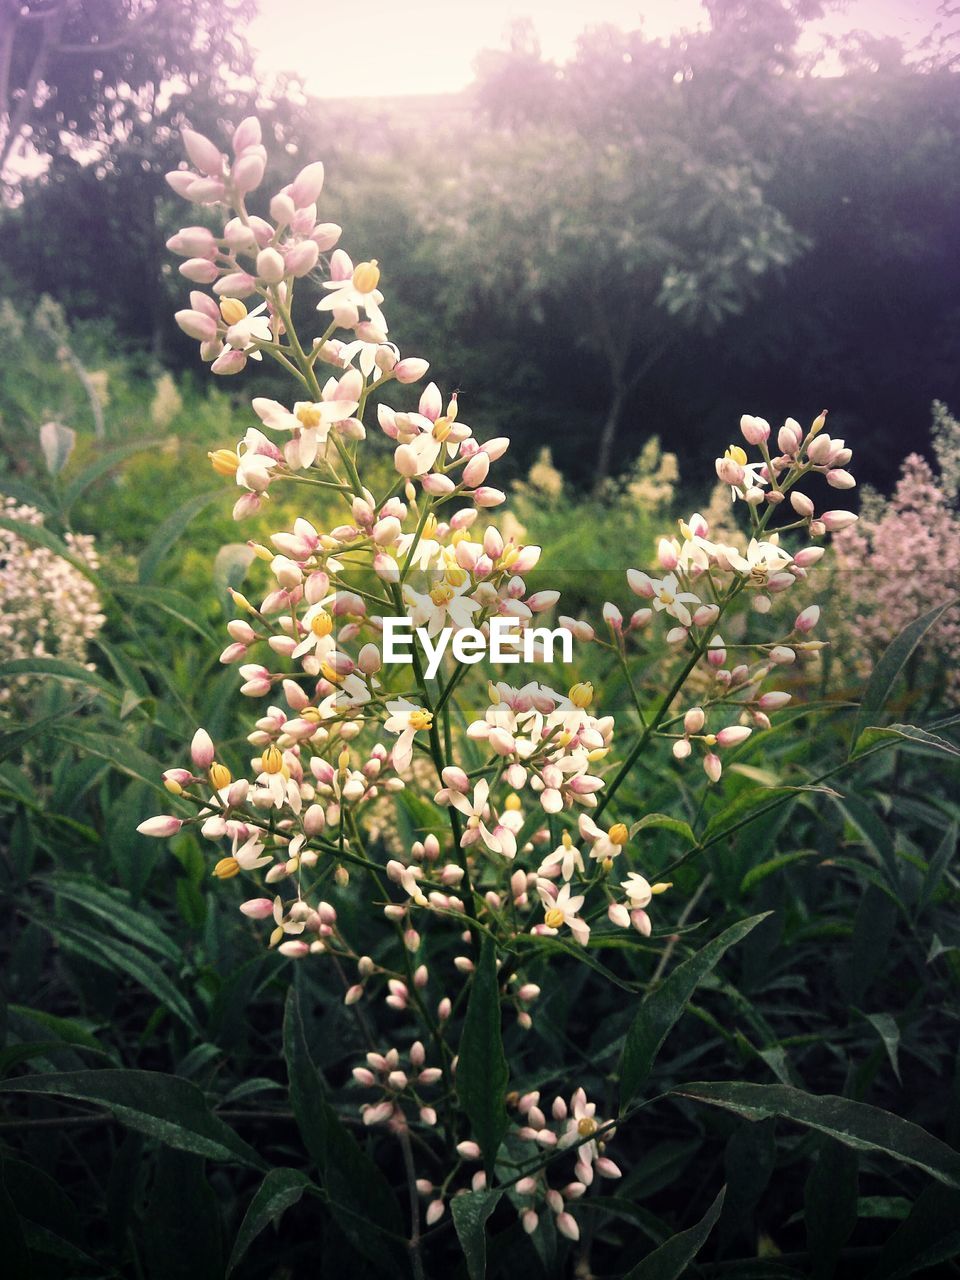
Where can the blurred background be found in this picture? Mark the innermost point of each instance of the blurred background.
(603, 222)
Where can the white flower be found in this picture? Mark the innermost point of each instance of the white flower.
(406, 720)
(669, 598)
(310, 421)
(446, 600)
(638, 890)
(562, 910)
(500, 840)
(566, 856)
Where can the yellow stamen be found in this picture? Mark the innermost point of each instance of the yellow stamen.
(220, 776)
(661, 886)
(321, 624)
(420, 719)
(618, 833)
(587, 1127)
(226, 869)
(736, 454)
(553, 918)
(581, 694)
(366, 276)
(441, 429)
(173, 787)
(224, 462)
(232, 310)
(329, 674)
(512, 802)
(272, 759)
(442, 595)
(308, 415)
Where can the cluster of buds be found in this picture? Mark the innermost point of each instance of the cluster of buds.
(521, 795)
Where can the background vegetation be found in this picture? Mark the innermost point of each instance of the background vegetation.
(769, 242)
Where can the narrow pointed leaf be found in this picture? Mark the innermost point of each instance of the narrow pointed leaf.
(161, 1106)
(482, 1071)
(885, 673)
(857, 1125)
(279, 1191)
(671, 1260)
(470, 1213)
(663, 1007)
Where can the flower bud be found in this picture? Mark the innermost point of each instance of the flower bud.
(307, 185)
(203, 153)
(754, 430)
(270, 266)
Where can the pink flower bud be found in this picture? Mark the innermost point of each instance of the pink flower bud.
(247, 134)
(567, 1226)
(618, 914)
(435, 1211)
(326, 235)
(667, 554)
(475, 472)
(248, 172)
(716, 653)
(270, 266)
(235, 284)
(181, 180)
(754, 430)
(729, 472)
(836, 477)
(693, 720)
(203, 153)
(196, 325)
(257, 908)
(733, 735)
(302, 258)
(820, 450)
(162, 826)
(773, 700)
(438, 485)
(808, 619)
(307, 185)
(782, 656)
(789, 437)
(410, 370)
(640, 583)
(712, 766)
(199, 271)
(802, 505)
(202, 749)
(487, 497)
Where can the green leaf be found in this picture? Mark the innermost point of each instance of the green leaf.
(928, 1237)
(663, 821)
(470, 1213)
(57, 443)
(671, 1260)
(482, 1072)
(885, 673)
(15, 1254)
(56, 667)
(103, 463)
(113, 906)
(170, 530)
(360, 1197)
(913, 737)
(125, 960)
(938, 866)
(857, 1125)
(161, 1106)
(888, 1031)
(876, 835)
(279, 1191)
(181, 1231)
(750, 805)
(664, 1006)
(756, 875)
(830, 1206)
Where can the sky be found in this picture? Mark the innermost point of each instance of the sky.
(387, 47)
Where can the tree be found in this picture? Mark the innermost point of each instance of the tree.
(640, 216)
(76, 73)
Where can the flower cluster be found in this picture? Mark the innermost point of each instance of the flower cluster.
(528, 851)
(48, 608)
(919, 527)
